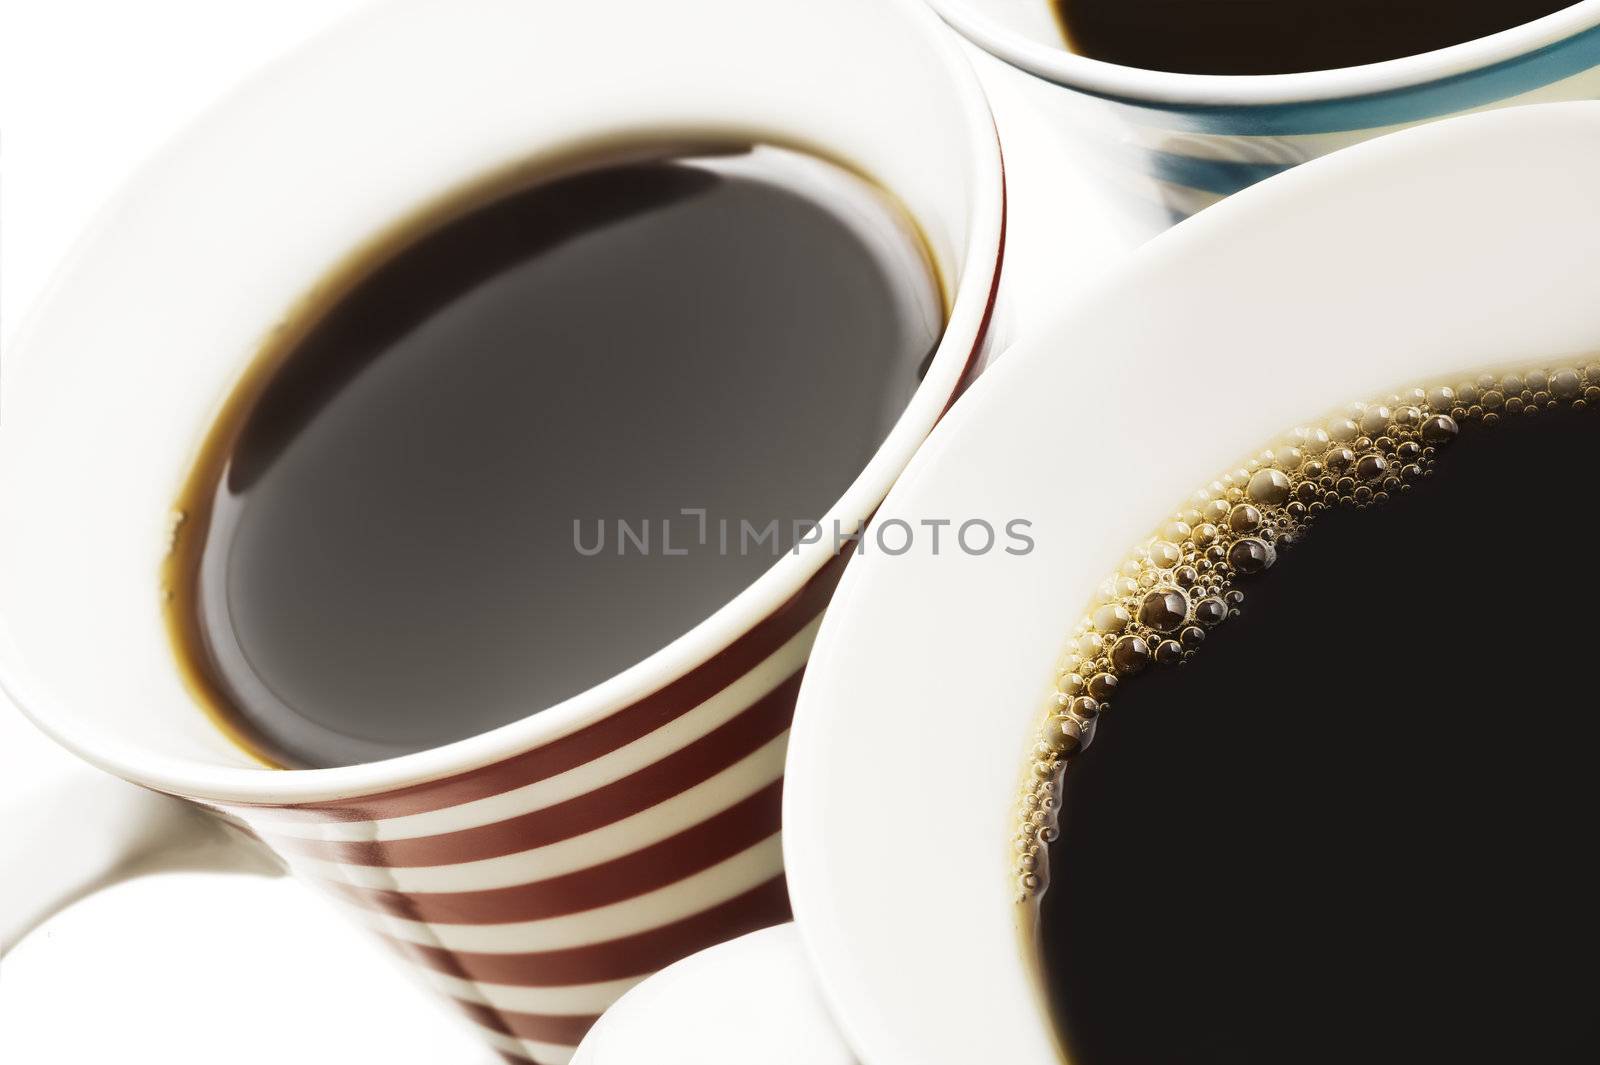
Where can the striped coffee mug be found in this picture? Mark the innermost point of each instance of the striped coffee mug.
(1172, 144)
(533, 873)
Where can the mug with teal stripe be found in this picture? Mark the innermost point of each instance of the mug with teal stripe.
(1180, 142)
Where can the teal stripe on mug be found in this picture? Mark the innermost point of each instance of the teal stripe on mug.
(1460, 92)
(1222, 176)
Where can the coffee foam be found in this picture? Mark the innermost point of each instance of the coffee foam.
(1184, 580)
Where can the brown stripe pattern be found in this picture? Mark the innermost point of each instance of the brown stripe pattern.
(535, 890)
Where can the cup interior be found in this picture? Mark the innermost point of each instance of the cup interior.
(1416, 257)
(215, 243)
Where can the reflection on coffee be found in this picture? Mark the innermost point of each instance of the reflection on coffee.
(1341, 800)
(379, 550)
(1280, 36)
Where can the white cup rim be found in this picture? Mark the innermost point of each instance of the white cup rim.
(1202, 90)
(971, 301)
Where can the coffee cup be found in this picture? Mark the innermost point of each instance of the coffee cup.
(534, 872)
(1415, 258)
(1170, 144)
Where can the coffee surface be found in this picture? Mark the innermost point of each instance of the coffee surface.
(1280, 36)
(411, 535)
(1356, 822)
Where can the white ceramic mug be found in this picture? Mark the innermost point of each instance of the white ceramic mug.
(1415, 258)
(1176, 143)
(1418, 257)
(533, 873)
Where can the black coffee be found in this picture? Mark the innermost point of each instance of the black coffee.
(1280, 36)
(1355, 822)
(439, 507)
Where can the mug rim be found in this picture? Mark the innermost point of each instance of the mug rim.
(971, 299)
(962, 655)
(1158, 87)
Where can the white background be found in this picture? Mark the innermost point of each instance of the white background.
(194, 968)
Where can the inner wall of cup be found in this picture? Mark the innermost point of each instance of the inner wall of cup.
(221, 236)
(1033, 19)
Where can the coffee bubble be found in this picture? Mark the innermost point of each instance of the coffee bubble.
(1186, 579)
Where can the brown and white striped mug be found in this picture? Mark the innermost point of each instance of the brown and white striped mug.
(535, 872)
